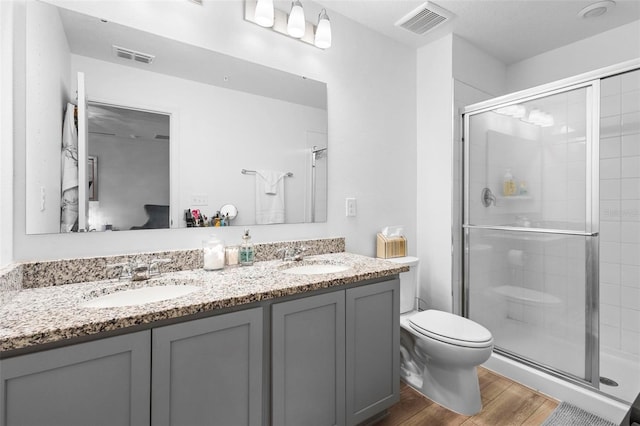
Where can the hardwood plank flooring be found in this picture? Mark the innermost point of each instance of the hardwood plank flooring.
(504, 403)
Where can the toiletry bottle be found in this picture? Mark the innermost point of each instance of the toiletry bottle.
(523, 188)
(246, 250)
(509, 184)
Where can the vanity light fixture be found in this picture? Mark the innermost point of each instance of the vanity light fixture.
(263, 13)
(296, 24)
(323, 31)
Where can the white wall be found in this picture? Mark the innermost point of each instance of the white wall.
(478, 69)
(434, 139)
(48, 90)
(605, 49)
(371, 98)
(6, 133)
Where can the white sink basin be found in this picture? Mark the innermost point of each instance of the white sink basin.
(140, 296)
(315, 269)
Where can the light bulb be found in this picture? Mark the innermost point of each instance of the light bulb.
(323, 31)
(264, 14)
(296, 25)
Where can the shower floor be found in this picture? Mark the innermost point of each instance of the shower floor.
(623, 369)
(533, 343)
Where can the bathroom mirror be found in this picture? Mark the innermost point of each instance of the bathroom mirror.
(220, 115)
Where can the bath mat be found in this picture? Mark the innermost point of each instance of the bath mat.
(566, 414)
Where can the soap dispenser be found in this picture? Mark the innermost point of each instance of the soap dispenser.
(246, 250)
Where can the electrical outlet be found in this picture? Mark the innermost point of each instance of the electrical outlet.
(351, 207)
(199, 200)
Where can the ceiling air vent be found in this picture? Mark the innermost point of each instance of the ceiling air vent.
(424, 18)
(132, 55)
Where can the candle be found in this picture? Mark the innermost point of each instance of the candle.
(232, 255)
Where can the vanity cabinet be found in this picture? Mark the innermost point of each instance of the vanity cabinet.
(103, 382)
(336, 356)
(372, 349)
(329, 358)
(308, 361)
(208, 371)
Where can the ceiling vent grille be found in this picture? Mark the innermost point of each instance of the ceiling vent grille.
(132, 55)
(424, 18)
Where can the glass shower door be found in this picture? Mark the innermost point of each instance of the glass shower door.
(531, 230)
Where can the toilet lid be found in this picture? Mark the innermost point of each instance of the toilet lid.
(451, 328)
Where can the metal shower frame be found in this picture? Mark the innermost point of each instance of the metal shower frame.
(590, 81)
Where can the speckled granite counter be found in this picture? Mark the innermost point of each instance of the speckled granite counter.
(54, 313)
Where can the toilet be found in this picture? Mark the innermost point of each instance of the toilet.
(440, 351)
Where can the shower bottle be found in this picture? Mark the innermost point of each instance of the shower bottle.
(508, 184)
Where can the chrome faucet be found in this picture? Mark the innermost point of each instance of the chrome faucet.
(292, 253)
(139, 271)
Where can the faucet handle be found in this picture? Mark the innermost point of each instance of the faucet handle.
(284, 251)
(125, 269)
(154, 266)
(298, 252)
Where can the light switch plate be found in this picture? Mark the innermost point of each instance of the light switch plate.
(351, 207)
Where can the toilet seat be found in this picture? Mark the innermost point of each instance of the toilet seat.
(450, 328)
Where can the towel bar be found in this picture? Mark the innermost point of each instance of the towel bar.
(251, 172)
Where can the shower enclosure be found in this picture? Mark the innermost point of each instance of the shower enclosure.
(551, 228)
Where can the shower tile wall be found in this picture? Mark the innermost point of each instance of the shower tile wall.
(620, 215)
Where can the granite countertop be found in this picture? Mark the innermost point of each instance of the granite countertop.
(50, 314)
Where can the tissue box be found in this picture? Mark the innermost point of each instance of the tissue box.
(388, 247)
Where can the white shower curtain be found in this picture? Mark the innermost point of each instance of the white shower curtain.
(69, 170)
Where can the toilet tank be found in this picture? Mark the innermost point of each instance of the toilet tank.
(408, 282)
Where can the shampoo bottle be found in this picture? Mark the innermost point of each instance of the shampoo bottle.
(509, 184)
(246, 250)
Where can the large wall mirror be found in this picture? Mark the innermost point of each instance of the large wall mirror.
(156, 128)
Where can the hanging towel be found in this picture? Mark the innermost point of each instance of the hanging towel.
(271, 179)
(69, 172)
(269, 197)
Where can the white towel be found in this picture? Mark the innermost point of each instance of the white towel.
(69, 170)
(271, 179)
(269, 197)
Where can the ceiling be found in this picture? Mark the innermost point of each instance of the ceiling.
(509, 30)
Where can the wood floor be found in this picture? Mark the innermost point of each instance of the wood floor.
(504, 402)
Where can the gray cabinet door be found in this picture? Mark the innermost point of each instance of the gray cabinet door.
(209, 371)
(373, 349)
(105, 382)
(308, 361)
